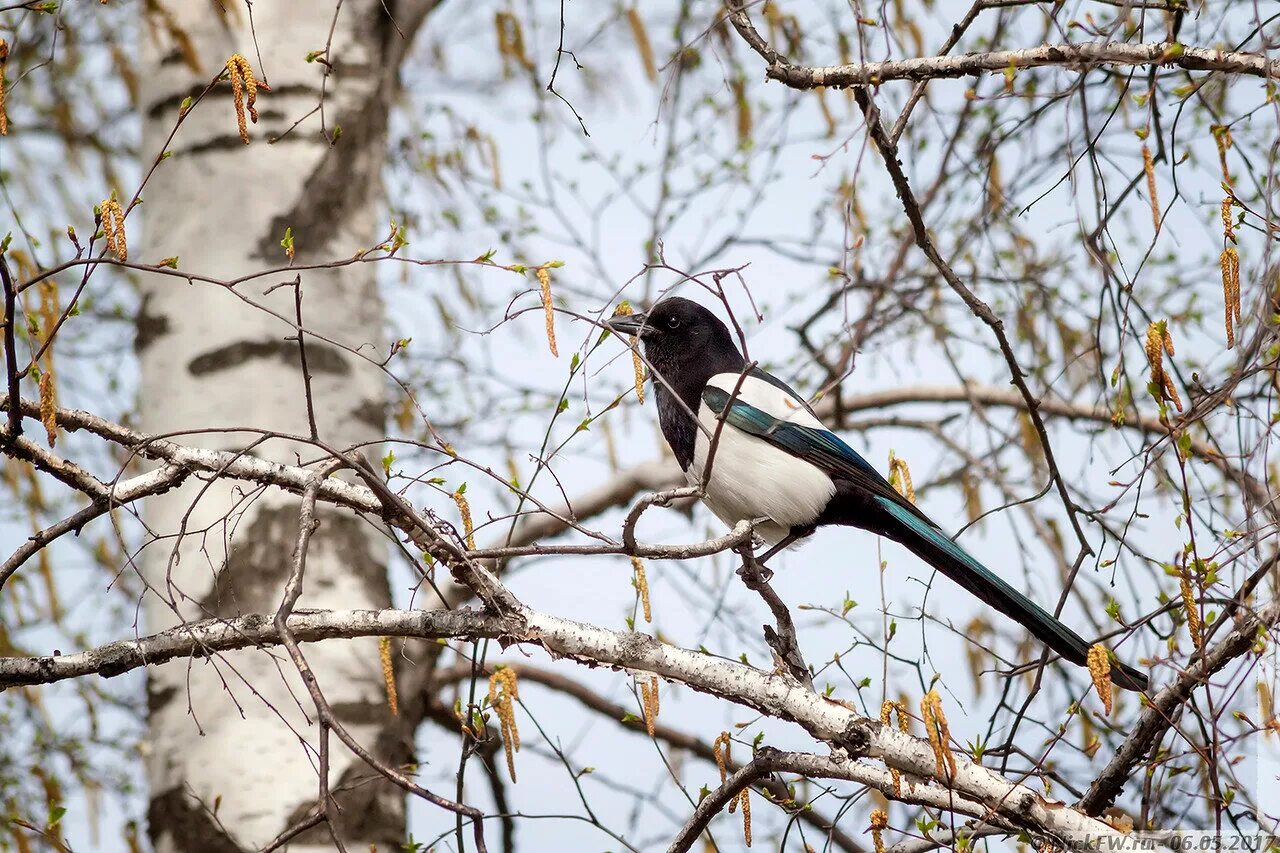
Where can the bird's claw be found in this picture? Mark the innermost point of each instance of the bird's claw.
(753, 569)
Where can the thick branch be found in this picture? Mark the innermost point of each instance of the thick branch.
(1072, 57)
(775, 695)
(202, 639)
(240, 466)
(768, 761)
(103, 497)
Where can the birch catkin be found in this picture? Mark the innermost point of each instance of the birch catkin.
(4, 60)
(544, 285)
(1100, 668)
(1149, 167)
(503, 691)
(244, 91)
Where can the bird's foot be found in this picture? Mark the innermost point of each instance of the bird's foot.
(792, 537)
(754, 571)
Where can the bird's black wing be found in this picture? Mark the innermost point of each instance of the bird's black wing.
(903, 522)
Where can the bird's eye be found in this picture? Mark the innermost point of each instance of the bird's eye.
(673, 322)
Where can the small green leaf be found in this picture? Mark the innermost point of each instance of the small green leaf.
(398, 240)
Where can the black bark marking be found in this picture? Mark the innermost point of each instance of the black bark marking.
(372, 809)
(149, 326)
(173, 102)
(362, 713)
(253, 578)
(158, 697)
(188, 824)
(342, 180)
(321, 358)
(371, 413)
(227, 142)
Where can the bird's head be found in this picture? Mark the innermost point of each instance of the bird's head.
(682, 340)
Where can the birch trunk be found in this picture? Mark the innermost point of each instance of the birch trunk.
(231, 746)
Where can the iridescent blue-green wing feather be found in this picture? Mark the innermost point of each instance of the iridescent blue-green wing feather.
(874, 504)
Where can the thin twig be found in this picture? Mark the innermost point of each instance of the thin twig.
(784, 641)
(1159, 713)
(10, 353)
(307, 524)
(889, 152)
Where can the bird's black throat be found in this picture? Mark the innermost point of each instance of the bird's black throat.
(682, 372)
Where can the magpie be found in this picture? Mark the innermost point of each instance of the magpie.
(774, 463)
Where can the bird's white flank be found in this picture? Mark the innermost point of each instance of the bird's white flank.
(751, 478)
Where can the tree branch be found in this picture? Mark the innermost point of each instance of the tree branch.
(775, 695)
(1158, 716)
(1072, 57)
(767, 761)
(10, 350)
(203, 639)
(980, 309)
(675, 738)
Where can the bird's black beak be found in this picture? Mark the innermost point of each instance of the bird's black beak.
(630, 324)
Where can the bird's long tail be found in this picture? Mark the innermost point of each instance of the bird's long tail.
(932, 545)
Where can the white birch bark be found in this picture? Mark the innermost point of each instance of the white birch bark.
(227, 736)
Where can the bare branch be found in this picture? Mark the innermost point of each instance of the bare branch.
(980, 309)
(1071, 57)
(675, 738)
(768, 761)
(776, 695)
(1160, 713)
(202, 639)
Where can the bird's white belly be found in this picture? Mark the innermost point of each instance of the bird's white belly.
(752, 479)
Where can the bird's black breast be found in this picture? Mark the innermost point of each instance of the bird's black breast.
(678, 428)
